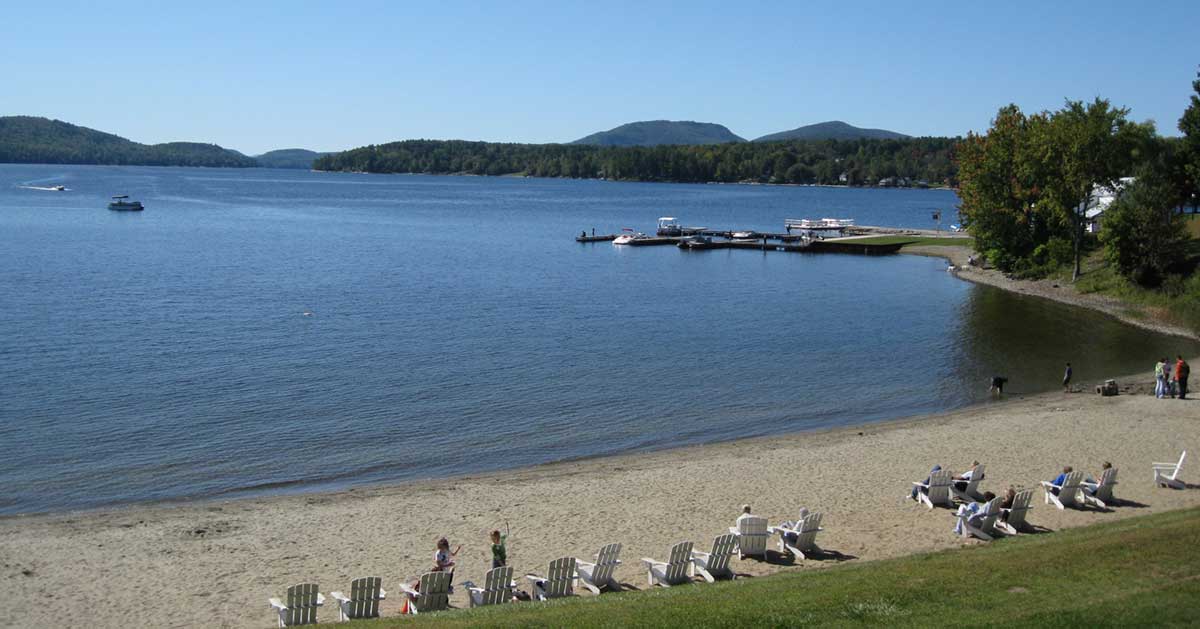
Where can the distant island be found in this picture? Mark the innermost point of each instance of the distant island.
(832, 130)
(35, 140)
(289, 158)
(908, 162)
(656, 132)
(32, 140)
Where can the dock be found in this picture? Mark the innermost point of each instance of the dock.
(815, 236)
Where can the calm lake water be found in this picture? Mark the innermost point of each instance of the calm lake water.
(456, 327)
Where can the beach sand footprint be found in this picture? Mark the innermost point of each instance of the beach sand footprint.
(210, 530)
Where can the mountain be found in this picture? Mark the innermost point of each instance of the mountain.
(655, 132)
(289, 158)
(832, 130)
(33, 140)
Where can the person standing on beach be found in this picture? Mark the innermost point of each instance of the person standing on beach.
(499, 551)
(1067, 379)
(997, 387)
(1182, 371)
(1160, 378)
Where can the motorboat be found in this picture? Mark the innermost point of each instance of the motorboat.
(121, 204)
(627, 236)
(59, 188)
(699, 243)
(667, 226)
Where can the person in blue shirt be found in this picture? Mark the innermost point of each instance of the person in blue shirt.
(1061, 478)
(916, 489)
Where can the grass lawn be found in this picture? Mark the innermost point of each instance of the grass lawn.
(951, 241)
(1193, 225)
(1142, 571)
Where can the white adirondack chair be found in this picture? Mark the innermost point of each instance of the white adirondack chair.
(1016, 514)
(678, 569)
(971, 491)
(558, 582)
(805, 533)
(937, 492)
(301, 606)
(751, 534)
(433, 595)
(1101, 492)
(1069, 494)
(715, 564)
(1167, 474)
(598, 575)
(363, 602)
(497, 588)
(983, 523)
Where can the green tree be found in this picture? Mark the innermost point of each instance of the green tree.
(1189, 125)
(1142, 234)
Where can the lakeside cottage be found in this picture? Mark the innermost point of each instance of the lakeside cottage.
(1102, 197)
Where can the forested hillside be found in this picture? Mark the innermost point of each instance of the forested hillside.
(655, 132)
(31, 140)
(862, 162)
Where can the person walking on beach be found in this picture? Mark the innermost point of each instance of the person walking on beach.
(1067, 379)
(443, 559)
(997, 388)
(1160, 378)
(1182, 371)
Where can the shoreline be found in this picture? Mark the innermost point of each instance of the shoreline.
(1047, 289)
(126, 562)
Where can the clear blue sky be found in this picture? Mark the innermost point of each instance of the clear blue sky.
(258, 76)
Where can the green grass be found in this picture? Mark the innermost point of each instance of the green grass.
(1193, 225)
(1142, 571)
(1176, 302)
(950, 241)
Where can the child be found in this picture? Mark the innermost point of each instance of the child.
(499, 552)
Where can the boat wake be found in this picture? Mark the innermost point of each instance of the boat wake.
(46, 188)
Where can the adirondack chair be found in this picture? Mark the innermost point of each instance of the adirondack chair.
(678, 569)
(433, 595)
(715, 564)
(599, 575)
(497, 588)
(1016, 514)
(971, 491)
(363, 602)
(1100, 493)
(559, 581)
(983, 523)
(804, 534)
(751, 536)
(1167, 474)
(301, 607)
(1068, 494)
(937, 492)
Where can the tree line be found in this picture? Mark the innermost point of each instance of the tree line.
(1027, 185)
(849, 162)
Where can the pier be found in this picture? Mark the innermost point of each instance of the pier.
(812, 238)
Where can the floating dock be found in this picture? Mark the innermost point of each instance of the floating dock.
(702, 238)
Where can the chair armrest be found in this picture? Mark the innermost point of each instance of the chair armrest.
(535, 578)
(650, 563)
(697, 553)
(340, 596)
(735, 531)
(407, 589)
(579, 563)
(320, 598)
(1047, 483)
(925, 485)
(277, 604)
(382, 594)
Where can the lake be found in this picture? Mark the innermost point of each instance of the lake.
(258, 331)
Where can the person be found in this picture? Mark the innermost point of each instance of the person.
(1160, 382)
(1067, 379)
(973, 511)
(743, 517)
(499, 549)
(1090, 484)
(794, 538)
(443, 559)
(918, 489)
(997, 385)
(1010, 496)
(962, 480)
(1061, 478)
(1182, 371)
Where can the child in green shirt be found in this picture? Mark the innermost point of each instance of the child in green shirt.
(499, 552)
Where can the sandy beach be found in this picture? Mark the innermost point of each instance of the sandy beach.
(215, 563)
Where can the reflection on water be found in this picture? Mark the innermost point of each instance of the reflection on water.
(456, 327)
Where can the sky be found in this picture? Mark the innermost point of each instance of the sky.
(256, 76)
